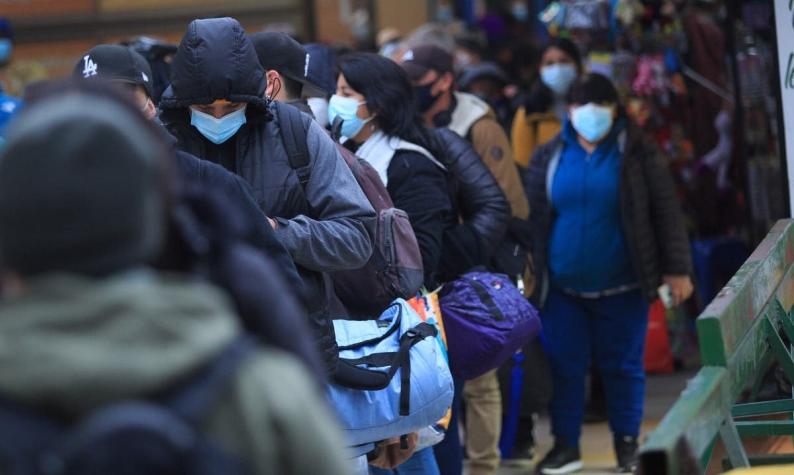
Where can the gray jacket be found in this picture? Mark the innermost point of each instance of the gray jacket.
(321, 225)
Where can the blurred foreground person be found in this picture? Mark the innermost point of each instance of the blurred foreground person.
(106, 362)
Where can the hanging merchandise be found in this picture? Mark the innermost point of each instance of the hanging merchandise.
(628, 11)
(719, 159)
(552, 17)
(600, 62)
(586, 15)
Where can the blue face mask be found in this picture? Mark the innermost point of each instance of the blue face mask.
(558, 77)
(592, 121)
(5, 50)
(346, 108)
(215, 130)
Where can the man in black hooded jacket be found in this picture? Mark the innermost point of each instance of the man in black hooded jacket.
(216, 109)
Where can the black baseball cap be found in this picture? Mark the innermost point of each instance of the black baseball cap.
(418, 60)
(116, 63)
(280, 52)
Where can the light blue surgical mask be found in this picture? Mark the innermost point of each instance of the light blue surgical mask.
(6, 47)
(558, 77)
(592, 121)
(346, 108)
(215, 130)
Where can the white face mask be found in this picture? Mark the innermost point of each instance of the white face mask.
(558, 77)
(216, 130)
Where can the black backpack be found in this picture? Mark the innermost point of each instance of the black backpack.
(156, 436)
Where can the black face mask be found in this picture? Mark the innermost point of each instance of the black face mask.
(424, 97)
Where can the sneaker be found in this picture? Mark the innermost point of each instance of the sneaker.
(626, 452)
(560, 460)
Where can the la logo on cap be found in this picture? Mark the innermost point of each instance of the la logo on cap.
(89, 67)
(144, 76)
(409, 55)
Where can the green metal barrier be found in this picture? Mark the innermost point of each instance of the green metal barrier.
(741, 332)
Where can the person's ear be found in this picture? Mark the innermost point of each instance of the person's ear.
(150, 111)
(444, 84)
(272, 76)
(571, 108)
(364, 113)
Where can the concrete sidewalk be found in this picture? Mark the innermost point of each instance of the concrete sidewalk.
(660, 394)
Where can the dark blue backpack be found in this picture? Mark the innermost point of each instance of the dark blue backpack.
(156, 436)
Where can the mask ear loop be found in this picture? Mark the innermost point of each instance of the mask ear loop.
(276, 90)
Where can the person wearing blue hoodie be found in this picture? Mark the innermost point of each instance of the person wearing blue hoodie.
(608, 231)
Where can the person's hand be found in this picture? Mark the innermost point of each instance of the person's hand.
(680, 286)
(273, 222)
(391, 455)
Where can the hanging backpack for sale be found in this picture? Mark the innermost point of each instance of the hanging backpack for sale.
(157, 436)
(393, 378)
(486, 320)
(395, 268)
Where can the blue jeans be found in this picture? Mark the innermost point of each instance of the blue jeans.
(422, 462)
(612, 330)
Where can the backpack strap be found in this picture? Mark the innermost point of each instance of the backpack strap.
(351, 376)
(293, 135)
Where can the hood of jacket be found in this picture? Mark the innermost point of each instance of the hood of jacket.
(71, 344)
(469, 110)
(215, 60)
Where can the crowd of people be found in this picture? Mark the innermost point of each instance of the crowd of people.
(176, 244)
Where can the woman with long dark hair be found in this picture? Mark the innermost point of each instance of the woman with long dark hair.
(608, 231)
(375, 102)
(541, 116)
(374, 99)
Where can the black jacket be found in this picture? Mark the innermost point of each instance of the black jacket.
(652, 219)
(418, 186)
(480, 203)
(320, 224)
(210, 237)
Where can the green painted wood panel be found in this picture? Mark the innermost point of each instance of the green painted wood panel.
(695, 418)
(726, 320)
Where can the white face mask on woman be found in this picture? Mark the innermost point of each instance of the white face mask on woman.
(592, 121)
(558, 77)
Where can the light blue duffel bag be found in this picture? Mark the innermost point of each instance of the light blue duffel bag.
(393, 378)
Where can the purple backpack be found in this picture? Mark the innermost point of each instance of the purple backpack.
(486, 320)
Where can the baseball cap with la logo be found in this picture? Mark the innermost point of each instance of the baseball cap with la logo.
(115, 63)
